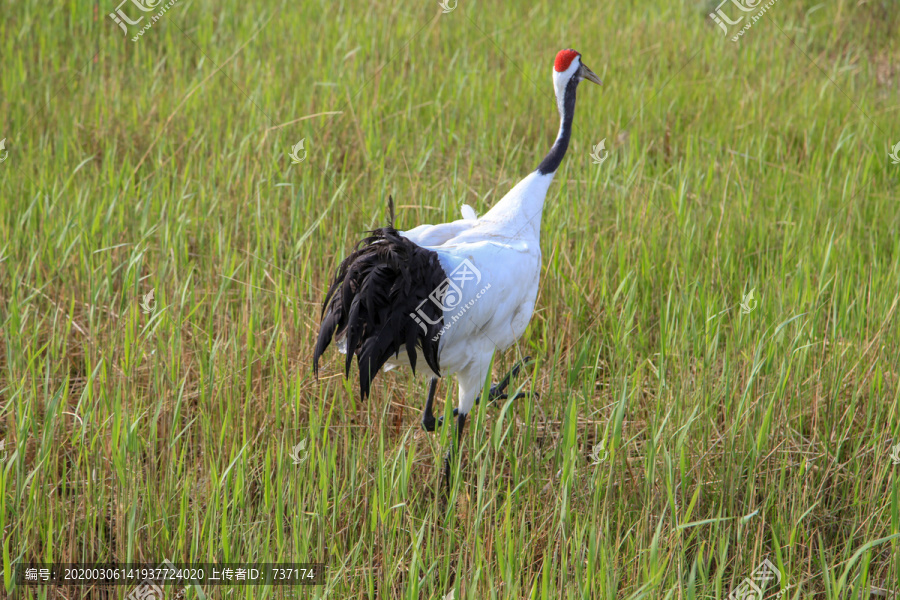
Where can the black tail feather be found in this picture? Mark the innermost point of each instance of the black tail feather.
(371, 302)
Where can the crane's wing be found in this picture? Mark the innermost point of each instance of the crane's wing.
(437, 235)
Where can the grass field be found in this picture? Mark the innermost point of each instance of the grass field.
(137, 428)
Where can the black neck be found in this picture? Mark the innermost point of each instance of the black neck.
(553, 159)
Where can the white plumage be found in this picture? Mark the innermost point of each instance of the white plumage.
(504, 246)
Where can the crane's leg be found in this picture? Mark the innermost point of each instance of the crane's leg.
(460, 424)
(470, 380)
(428, 419)
(498, 390)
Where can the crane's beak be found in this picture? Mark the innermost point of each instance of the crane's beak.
(589, 75)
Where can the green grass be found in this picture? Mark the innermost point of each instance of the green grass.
(162, 165)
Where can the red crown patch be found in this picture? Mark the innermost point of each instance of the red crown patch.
(564, 60)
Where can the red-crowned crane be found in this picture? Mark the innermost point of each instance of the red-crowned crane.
(454, 291)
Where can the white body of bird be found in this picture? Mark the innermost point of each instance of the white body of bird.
(504, 246)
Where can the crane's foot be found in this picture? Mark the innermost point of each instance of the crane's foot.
(429, 422)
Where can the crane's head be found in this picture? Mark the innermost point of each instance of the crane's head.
(569, 68)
